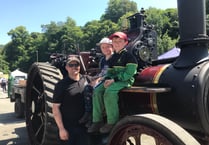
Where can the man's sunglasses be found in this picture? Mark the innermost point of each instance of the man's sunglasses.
(73, 65)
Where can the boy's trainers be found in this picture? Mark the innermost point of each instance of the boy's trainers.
(95, 127)
(86, 117)
(88, 124)
(106, 128)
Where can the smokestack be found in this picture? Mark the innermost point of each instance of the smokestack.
(192, 27)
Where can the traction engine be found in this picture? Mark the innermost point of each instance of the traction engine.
(168, 103)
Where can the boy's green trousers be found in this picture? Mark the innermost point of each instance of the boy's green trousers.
(106, 99)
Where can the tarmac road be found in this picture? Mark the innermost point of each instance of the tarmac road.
(12, 129)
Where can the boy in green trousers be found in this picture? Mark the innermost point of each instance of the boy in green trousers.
(122, 67)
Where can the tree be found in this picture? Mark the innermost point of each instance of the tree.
(156, 17)
(165, 43)
(19, 47)
(117, 8)
(36, 47)
(3, 64)
(72, 36)
(172, 26)
(62, 36)
(94, 31)
(24, 46)
(52, 32)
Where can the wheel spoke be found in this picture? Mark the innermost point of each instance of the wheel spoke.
(30, 115)
(36, 90)
(130, 142)
(39, 129)
(37, 100)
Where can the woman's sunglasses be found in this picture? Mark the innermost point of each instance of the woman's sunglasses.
(73, 65)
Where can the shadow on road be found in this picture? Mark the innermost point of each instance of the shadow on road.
(13, 130)
(9, 118)
(3, 98)
(19, 140)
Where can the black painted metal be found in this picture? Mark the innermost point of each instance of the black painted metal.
(192, 33)
(191, 19)
(188, 102)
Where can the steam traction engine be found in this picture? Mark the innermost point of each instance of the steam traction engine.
(168, 103)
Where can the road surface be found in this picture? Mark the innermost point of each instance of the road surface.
(12, 129)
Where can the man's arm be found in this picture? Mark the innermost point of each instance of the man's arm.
(58, 119)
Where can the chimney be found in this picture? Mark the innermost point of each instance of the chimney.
(192, 27)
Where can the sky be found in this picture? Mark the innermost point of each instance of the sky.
(34, 13)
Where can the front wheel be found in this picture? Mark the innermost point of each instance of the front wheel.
(149, 129)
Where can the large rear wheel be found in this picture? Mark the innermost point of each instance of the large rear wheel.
(149, 129)
(41, 127)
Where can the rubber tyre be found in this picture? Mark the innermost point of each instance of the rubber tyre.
(164, 131)
(40, 123)
(19, 108)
